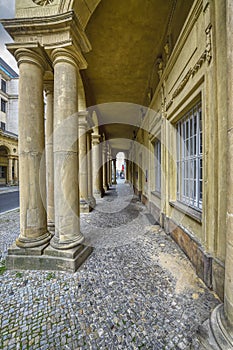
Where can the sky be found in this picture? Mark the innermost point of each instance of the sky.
(7, 10)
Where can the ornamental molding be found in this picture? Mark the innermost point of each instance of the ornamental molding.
(42, 2)
(191, 72)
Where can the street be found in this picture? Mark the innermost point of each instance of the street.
(9, 201)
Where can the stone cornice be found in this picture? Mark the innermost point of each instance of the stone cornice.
(50, 31)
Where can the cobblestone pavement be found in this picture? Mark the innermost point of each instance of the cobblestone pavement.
(136, 291)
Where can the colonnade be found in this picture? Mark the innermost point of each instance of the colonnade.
(65, 163)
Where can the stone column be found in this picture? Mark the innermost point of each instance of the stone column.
(66, 188)
(91, 198)
(49, 156)
(127, 171)
(16, 171)
(10, 165)
(83, 172)
(114, 172)
(33, 219)
(97, 174)
(105, 165)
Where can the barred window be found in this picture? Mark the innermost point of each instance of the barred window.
(189, 158)
(157, 153)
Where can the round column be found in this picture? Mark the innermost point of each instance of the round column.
(49, 156)
(66, 165)
(114, 172)
(97, 174)
(83, 177)
(105, 170)
(33, 219)
(16, 171)
(91, 199)
(10, 165)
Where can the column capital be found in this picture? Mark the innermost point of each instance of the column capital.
(82, 119)
(69, 55)
(95, 139)
(48, 87)
(33, 55)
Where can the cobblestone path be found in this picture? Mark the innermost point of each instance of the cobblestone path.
(136, 291)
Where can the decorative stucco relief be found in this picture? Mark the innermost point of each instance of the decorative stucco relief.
(42, 2)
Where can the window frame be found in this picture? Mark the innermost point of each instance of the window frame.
(189, 162)
(3, 105)
(3, 86)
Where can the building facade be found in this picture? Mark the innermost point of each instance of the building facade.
(8, 125)
(146, 78)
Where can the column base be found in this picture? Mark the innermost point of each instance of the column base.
(56, 243)
(51, 227)
(47, 258)
(114, 183)
(106, 188)
(99, 194)
(92, 202)
(85, 206)
(215, 333)
(24, 242)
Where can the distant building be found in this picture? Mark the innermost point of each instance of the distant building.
(8, 125)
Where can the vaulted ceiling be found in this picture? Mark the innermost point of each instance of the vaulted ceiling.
(127, 38)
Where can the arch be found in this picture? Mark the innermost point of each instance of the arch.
(83, 9)
(4, 150)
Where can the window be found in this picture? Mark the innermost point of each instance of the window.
(3, 85)
(157, 150)
(3, 126)
(189, 158)
(3, 105)
(2, 172)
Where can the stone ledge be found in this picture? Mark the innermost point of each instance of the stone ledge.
(47, 258)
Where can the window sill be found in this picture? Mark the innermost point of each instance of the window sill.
(194, 214)
(157, 194)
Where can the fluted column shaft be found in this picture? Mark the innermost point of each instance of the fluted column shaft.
(49, 156)
(66, 165)
(33, 219)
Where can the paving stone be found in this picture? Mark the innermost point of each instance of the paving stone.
(136, 291)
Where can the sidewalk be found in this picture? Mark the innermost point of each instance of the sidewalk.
(136, 291)
(5, 189)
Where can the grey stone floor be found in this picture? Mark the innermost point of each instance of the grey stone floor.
(136, 291)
